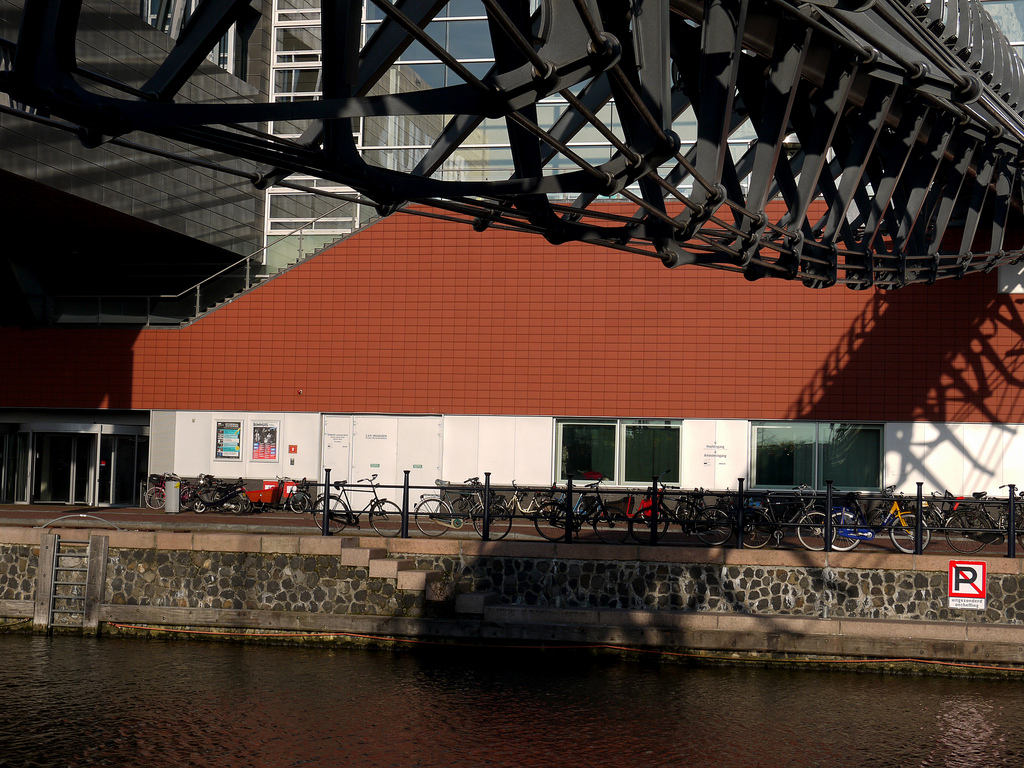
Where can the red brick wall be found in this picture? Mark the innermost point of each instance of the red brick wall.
(420, 316)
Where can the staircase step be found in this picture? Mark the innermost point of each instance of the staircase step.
(361, 557)
(418, 580)
(389, 568)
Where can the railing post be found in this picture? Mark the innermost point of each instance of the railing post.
(739, 515)
(654, 511)
(919, 521)
(568, 509)
(325, 526)
(405, 507)
(1011, 523)
(828, 516)
(487, 507)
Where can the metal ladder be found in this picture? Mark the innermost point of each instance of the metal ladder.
(68, 584)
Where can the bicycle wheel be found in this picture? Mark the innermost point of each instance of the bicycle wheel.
(187, 497)
(155, 497)
(963, 529)
(640, 524)
(432, 516)
(810, 531)
(611, 524)
(243, 504)
(713, 525)
(757, 528)
(500, 522)
(300, 502)
(338, 514)
(386, 518)
(904, 536)
(848, 521)
(550, 520)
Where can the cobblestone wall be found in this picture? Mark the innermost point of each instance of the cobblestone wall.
(314, 584)
(19, 566)
(754, 590)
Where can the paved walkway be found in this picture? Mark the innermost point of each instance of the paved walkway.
(71, 516)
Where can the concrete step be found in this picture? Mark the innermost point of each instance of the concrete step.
(361, 557)
(421, 581)
(389, 567)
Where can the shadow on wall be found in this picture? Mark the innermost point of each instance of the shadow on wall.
(68, 368)
(946, 361)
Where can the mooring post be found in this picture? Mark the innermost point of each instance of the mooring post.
(739, 515)
(325, 524)
(919, 520)
(405, 507)
(487, 507)
(654, 511)
(828, 516)
(1011, 523)
(568, 509)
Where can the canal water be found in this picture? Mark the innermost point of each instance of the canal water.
(123, 702)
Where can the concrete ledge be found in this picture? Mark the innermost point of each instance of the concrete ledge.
(19, 535)
(538, 549)
(131, 539)
(226, 542)
(323, 545)
(438, 546)
(279, 544)
(173, 540)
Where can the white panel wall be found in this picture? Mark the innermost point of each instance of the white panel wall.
(511, 448)
(961, 458)
(195, 436)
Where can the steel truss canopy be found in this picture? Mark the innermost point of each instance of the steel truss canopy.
(834, 141)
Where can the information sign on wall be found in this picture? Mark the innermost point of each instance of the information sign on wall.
(229, 441)
(264, 440)
(967, 584)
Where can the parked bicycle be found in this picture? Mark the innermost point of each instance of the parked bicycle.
(156, 493)
(609, 521)
(981, 520)
(453, 508)
(301, 498)
(851, 524)
(221, 496)
(385, 516)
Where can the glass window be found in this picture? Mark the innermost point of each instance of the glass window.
(785, 455)
(586, 450)
(649, 451)
(850, 455)
(470, 40)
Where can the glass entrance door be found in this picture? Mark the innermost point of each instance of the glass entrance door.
(118, 469)
(63, 464)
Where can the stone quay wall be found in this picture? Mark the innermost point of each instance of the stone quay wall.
(261, 581)
(897, 590)
(775, 602)
(19, 568)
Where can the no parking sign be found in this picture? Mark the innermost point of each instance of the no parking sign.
(967, 584)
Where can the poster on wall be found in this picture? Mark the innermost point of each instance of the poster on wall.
(229, 440)
(264, 440)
